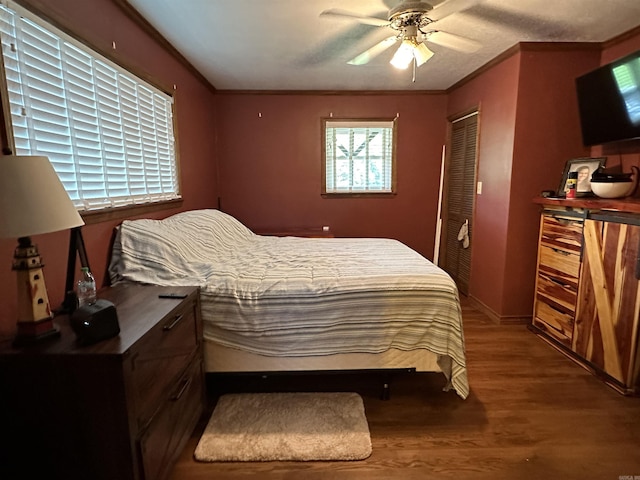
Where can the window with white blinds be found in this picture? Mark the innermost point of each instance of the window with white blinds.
(108, 134)
(359, 156)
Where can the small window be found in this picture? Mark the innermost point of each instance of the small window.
(359, 156)
(108, 134)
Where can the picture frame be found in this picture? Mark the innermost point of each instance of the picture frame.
(585, 167)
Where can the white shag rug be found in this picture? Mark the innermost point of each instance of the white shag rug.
(286, 426)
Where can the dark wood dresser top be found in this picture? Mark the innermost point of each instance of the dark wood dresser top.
(139, 308)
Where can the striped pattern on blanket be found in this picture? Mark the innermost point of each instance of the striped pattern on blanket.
(299, 296)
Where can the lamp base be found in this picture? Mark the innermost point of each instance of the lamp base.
(31, 333)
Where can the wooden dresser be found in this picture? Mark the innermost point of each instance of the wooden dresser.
(587, 297)
(120, 409)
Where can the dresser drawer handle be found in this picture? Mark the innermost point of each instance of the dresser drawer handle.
(185, 384)
(561, 252)
(558, 282)
(175, 322)
(566, 222)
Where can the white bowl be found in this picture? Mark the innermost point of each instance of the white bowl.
(612, 189)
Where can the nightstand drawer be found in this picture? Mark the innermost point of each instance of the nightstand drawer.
(162, 442)
(160, 357)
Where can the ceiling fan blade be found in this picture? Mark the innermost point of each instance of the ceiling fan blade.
(453, 41)
(346, 15)
(448, 7)
(366, 56)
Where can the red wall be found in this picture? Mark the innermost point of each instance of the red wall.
(529, 127)
(101, 22)
(495, 92)
(270, 164)
(612, 52)
(547, 134)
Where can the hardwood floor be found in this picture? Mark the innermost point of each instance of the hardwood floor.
(532, 414)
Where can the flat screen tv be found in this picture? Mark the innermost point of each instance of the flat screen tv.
(609, 102)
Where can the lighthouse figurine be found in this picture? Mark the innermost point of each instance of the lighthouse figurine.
(35, 319)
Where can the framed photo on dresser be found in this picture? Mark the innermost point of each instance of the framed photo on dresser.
(584, 168)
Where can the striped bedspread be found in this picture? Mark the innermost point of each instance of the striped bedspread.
(289, 296)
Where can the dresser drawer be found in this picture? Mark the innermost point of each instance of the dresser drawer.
(160, 357)
(561, 233)
(555, 302)
(564, 296)
(553, 321)
(559, 263)
(163, 441)
(558, 276)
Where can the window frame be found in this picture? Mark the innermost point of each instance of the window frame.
(359, 193)
(55, 26)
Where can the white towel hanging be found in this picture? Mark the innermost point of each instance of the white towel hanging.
(463, 234)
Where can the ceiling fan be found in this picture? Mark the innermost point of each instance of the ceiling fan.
(412, 22)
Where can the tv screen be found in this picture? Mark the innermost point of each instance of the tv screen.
(609, 101)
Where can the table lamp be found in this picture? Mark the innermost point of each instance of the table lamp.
(32, 201)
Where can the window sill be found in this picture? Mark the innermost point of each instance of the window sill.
(121, 213)
(358, 195)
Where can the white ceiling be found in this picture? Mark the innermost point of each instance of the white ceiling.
(286, 45)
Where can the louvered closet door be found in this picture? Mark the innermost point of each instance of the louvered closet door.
(458, 200)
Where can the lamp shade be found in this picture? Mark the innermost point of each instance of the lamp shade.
(422, 53)
(32, 198)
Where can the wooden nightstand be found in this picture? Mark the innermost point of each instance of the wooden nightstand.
(120, 409)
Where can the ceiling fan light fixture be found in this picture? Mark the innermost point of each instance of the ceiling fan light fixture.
(422, 53)
(409, 50)
(403, 56)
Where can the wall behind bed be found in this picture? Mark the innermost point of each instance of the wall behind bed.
(270, 163)
(102, 22)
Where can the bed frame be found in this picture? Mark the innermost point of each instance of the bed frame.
(224, 360)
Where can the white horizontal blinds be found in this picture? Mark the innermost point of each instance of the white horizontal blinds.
(108, 134)
(112, 134)
(84, 119)
(33, 70)
(330, 159)
(359, 156)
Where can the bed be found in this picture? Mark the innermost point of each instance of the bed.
(301, 304)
